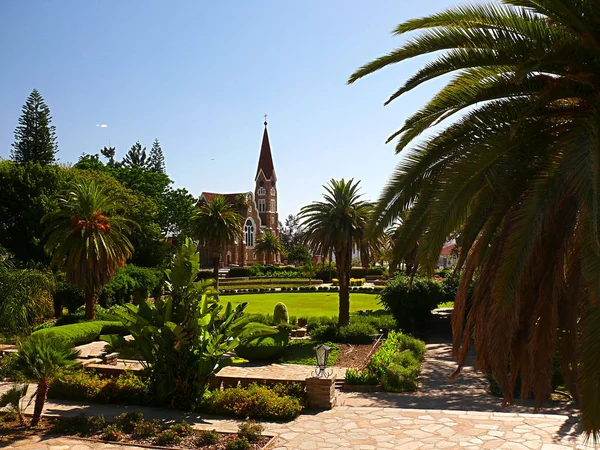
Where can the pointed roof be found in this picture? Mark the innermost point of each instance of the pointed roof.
(265, 161)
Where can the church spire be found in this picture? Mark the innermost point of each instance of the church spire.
(265, 161)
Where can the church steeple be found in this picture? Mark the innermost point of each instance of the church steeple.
(265, 160)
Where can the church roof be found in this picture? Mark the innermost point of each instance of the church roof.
(265, 161)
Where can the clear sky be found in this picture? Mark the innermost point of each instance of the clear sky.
(199, 75)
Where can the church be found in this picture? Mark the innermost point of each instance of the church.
(259, 209)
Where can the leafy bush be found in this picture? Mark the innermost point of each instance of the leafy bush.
(397, 378)
(71, 297)
(182, 428)
(325, 272)
(237, 443)
(356, 333)
(280, 313)
(328, 332)
(80, 424)
(81, 333)
(9, 368)
(254, 402)
(112, 433)
(128, 421)
(90, 387)
(208, 437)
(378, 319)
(131, 284)
(167, 437)
(146, 429)
(263, 347)
(250, 430)
(411, 304)
(377, 271)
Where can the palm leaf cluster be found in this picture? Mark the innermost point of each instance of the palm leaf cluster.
(515, 167)
(337, 225)
(86, 240)
(268, 244)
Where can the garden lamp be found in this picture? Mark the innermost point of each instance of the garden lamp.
(322, 353)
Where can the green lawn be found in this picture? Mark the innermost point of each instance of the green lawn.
(304, 304)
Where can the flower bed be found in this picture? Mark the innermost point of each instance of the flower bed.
(132, 428)
(396, 365)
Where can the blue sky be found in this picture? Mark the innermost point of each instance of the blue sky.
(199, 76)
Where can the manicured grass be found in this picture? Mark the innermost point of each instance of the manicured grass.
(302, 352)
(304, 304)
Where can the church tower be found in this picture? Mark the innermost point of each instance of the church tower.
(265, 191)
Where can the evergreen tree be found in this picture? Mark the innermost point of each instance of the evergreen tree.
(109, 153)
(157, 159)
(136, 157)
(35, 137)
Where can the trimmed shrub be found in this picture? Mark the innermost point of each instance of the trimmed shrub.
(397, 378)
(356, 333)
(411, 304)
(358, 272)
(208, 437)
(254, 402)
(263, 347)
(128, 421)
(90, 387)
(239, 272)
(237, 444)
(146, 429)
(81, 333)
(280, 313)
(322, 333)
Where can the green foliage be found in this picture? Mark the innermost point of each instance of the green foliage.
(175, 216)
(71, 297)
(136, 157)
(280, 313)
(80, 333)
(146, 429)
(42, 358)
(112, 433)
(9, 368)
(263, 348)
(167, 437)
(298, 254)
(80, 424)
(208, 437)
(185, 335)
(398, 361)
(356, 333)
(85, 386)
(156, 162)
(254, 402)
(302, 352)
(268, 244)
(182, 428)
(35, 137)
(25, 298)
(411, 303)
(128, 421)
(13, 399)
(237, 443)
(131, 284)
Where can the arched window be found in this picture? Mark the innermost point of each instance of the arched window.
(249, 230)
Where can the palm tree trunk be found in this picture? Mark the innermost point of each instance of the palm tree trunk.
(40, 399)
(90, 312)
(216, 272)
(343, 269)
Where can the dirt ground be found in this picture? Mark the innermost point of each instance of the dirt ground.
(355, 356)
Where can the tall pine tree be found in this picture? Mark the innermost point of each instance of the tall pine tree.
(35, 137)
(136, 157)
(157, 159)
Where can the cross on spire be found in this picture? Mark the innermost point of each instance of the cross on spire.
(265, 119)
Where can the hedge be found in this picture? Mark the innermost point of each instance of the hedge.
(88, 386)
(263, 348)
(254, 402)
(83, 332)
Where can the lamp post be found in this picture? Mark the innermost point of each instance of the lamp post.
(322, 353)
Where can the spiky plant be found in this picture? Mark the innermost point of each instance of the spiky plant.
(86, 240)
(40, 360)
(268, 244)
(514, 166)
(13, 398)
(337, 224)
(217, 225)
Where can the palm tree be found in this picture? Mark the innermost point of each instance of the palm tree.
(217, 225)
(40, 359)
(514, 168)
(337, 225)
(87, 241)
(268, 244)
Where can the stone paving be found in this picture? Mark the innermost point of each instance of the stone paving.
(287, 372)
